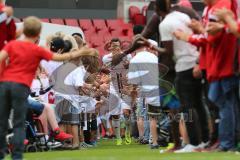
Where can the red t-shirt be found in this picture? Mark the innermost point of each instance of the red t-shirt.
(220, 49)
(24, 58)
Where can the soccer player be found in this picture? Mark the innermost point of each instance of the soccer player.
(117, 98)
(16, 80)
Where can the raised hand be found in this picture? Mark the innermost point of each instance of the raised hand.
(214, 27)
(196, 26)
(223, 14)
(8, 11)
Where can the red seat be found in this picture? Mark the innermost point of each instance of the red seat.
(113, 24)
(96, 41)
(139, 19)
(57, 21)
(101, 51)
(144, 10)
(103, 32)
(132, 11)
(117, 33)
(85, 24)
(45, 20)
(107, 38)
(99, 24)
(89, 33)
(125, 38)
(72, 22)
(127, 29)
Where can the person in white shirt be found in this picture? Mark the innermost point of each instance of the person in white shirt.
(119, 100)
(185, 55)
(144, 74)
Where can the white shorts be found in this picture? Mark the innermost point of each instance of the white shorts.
(125, 102)
(114, 102)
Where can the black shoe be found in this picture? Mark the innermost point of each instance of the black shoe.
(154, 146)
(144, 141)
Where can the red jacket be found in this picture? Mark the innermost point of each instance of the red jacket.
(200, 41)
(219, 51)
(221, 48)
(7, 33)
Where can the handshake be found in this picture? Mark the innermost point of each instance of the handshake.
(140, 41)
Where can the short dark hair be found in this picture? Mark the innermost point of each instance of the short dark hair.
(78, 34)
(115, 40)
(163, 5)
(137, 29)
(67, 46)
(56, 44)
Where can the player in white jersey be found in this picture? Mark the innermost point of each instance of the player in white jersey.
(119, 100)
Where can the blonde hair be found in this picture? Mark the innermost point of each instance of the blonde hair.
(50, 37)
(32, 27)
(90, 60)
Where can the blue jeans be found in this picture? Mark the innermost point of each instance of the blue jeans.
(142, 112)
(224, 93)
(13, 96)
(36, 106)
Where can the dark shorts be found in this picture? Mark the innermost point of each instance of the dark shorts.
(154, 110)
(35, 106)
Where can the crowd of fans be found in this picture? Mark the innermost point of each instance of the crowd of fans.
(183, 96)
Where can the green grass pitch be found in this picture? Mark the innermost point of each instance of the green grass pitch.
(107, 150)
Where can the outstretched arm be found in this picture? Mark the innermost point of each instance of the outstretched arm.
(73, 55)
(227, 17)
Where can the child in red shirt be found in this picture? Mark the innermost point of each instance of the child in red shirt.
(24, 58)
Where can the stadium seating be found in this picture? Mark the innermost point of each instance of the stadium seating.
(144, 10)
(72, 22)
(99, 24)
(137, 16)
(86, 24)
(45, 20)
(139, 19)
(97, 31)
(114, 24)
(132, 11)
(57, 21)
(96, 41)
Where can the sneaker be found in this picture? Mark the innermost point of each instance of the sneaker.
(85, 145)
(94, 143)
(61, 136)
(119, 142)
(150, 140)
(154, 146)
(170, 146)
(128, 139)
(144, 141)
(187, 149)
(211, 148)
(203, 145)
(54, 144)
(170, 150)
